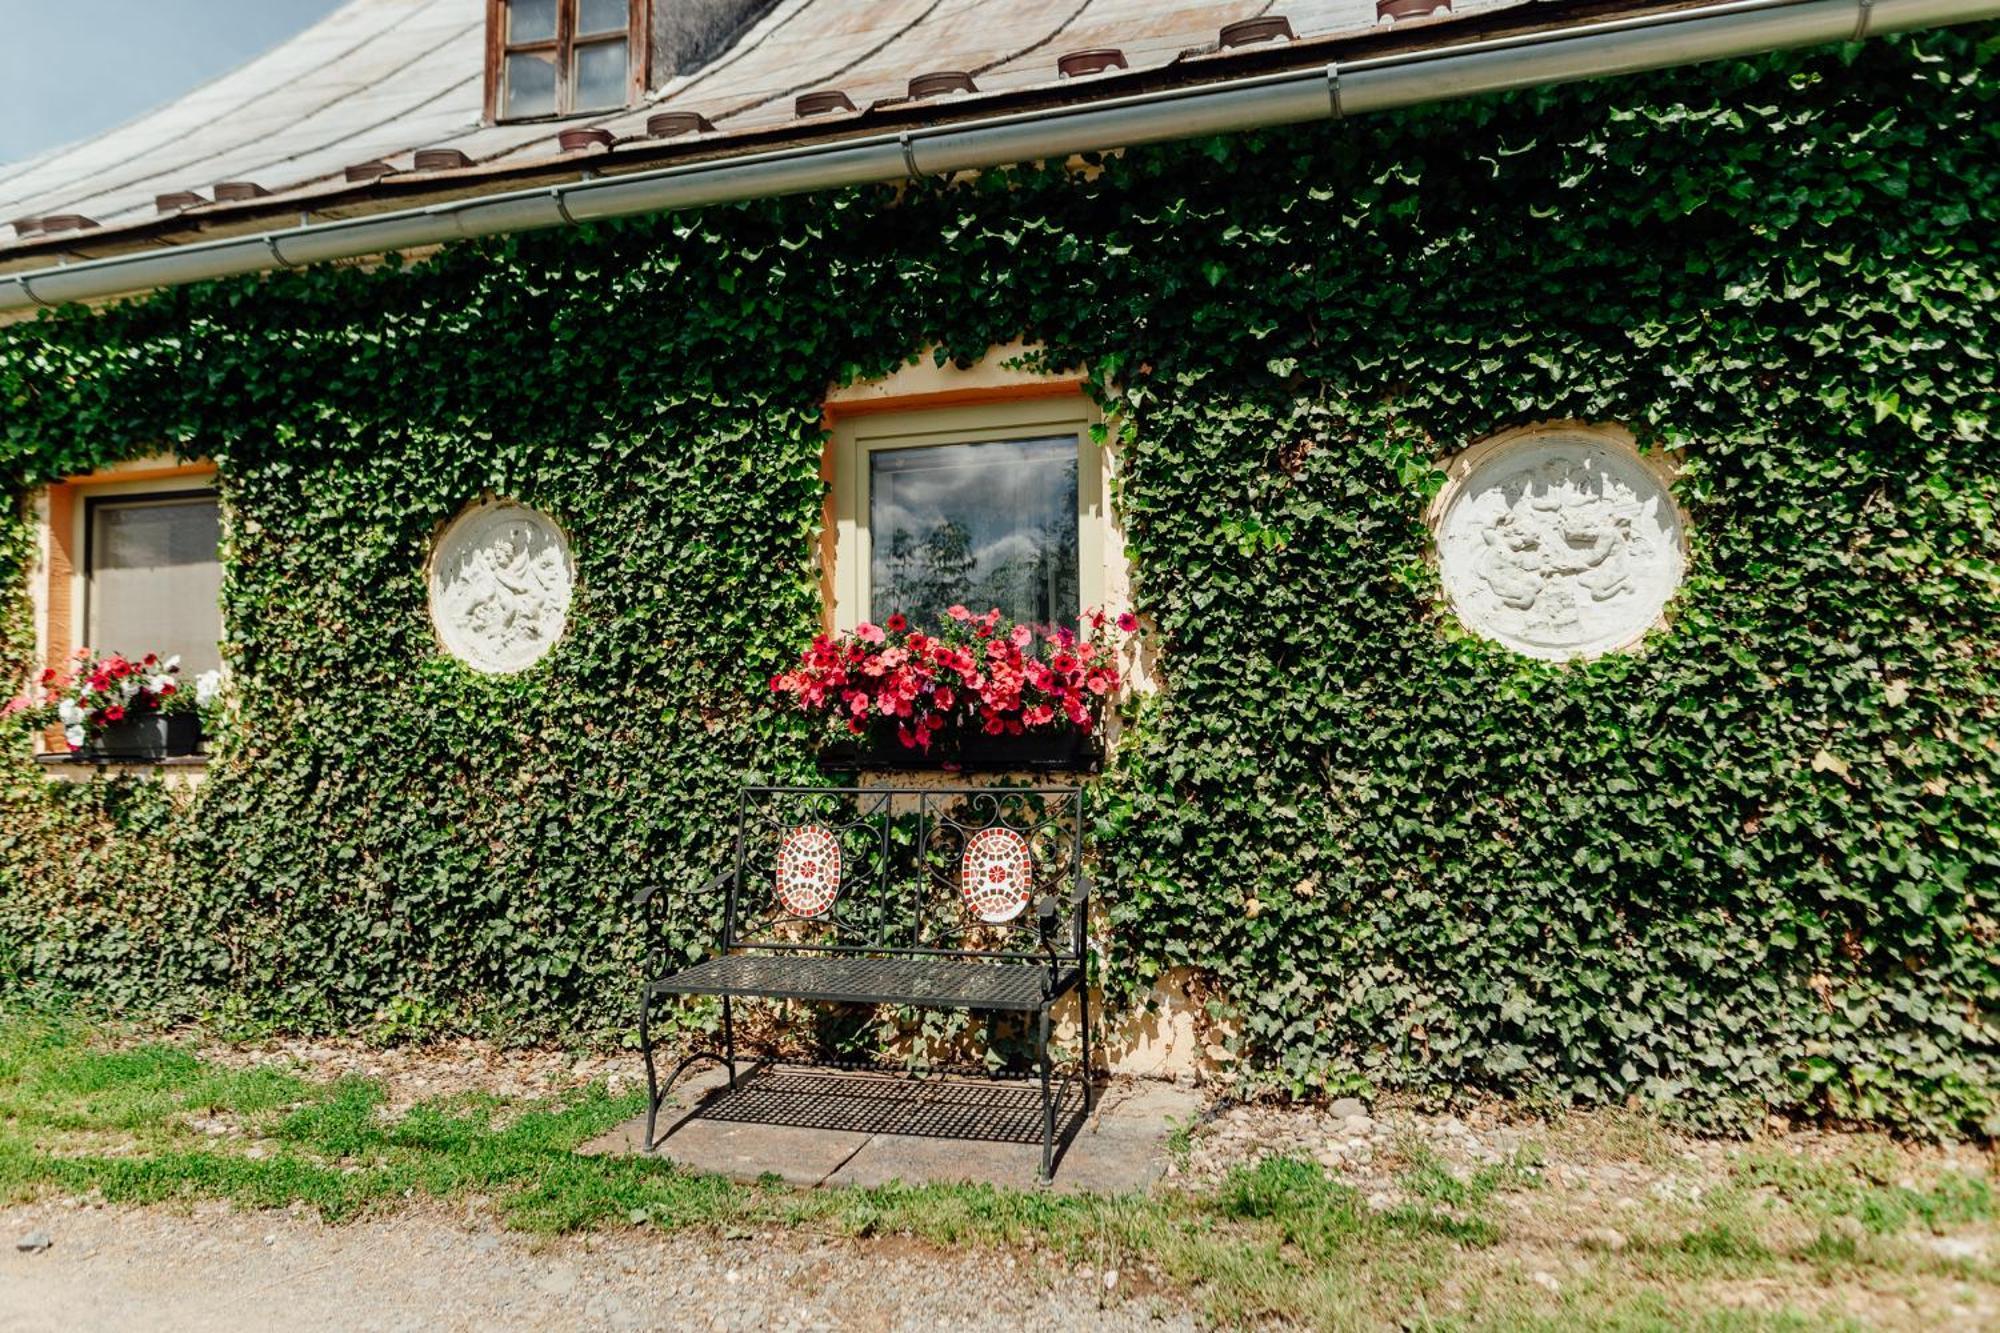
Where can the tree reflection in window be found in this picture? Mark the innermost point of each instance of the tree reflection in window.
(985, 525)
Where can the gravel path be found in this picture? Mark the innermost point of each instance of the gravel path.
(217, 1270)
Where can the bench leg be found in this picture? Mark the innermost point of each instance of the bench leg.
(1089, 1088)
(1048, 1106)
(652, 1074)
(729, 1038)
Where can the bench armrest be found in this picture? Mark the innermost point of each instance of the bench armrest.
(1049, 904)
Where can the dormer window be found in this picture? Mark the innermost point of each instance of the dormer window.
(564, 57)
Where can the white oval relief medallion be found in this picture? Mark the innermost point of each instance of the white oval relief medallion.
(1560, 542)
(500, 581)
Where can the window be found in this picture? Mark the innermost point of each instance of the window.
(562, 57)
(152, 576)
(997, 505)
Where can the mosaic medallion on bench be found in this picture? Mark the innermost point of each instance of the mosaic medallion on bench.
(808, 870)
(997, 875)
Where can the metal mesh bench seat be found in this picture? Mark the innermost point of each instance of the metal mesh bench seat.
(939, 982)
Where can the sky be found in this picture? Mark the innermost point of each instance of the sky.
(70, 69)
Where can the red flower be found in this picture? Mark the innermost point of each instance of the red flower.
(993, 678)
(1128, 623)
(115, 713)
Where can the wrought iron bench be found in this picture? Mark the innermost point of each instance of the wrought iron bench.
(963, 898)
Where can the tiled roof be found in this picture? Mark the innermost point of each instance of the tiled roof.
(379, 79)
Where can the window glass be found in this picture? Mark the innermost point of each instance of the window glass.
(980, 524)
(531, 21)
(600, 75)
(593, 16)
(155, 579)
(531, 84)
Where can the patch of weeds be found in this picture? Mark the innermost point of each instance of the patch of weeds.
(1832, 1248)
(1857, 1185)
(1724, 1241)
(1613, 1134)
(340, 1123)
(1453, 1207)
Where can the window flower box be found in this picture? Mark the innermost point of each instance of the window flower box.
(1066, 751)
(117, 708)
(151, 736)
(981, 695)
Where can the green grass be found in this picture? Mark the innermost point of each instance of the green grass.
(1276, 1239)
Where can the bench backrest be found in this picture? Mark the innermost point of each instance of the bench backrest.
(951, 872)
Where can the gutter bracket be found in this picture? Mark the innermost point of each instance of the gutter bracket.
(1865, 11)
(909, 155)
(1333, 87)
(271, 244)
(28, 290)
(562, 204)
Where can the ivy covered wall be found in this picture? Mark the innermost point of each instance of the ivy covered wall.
(1755, 864)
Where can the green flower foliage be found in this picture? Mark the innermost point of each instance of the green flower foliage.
(1752, 865)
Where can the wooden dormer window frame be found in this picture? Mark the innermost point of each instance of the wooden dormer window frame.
(568, 41)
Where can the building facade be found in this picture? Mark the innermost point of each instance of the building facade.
(1562, 526)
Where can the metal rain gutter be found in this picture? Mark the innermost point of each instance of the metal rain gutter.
(1586, 51)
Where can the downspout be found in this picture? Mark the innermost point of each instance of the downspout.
(1586, 51)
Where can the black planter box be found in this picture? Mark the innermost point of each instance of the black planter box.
(153, 736)
(1046, 752)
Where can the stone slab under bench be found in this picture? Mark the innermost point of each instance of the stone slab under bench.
(809, 1126)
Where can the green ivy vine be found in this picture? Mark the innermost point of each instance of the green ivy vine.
(1752, 866)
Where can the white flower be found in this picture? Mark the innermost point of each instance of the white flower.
(172, 663)
(206, 687)
(158, 684)
(74, 735)
(71, 715)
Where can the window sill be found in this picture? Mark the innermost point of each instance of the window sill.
(562, 117)
(183, 768)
